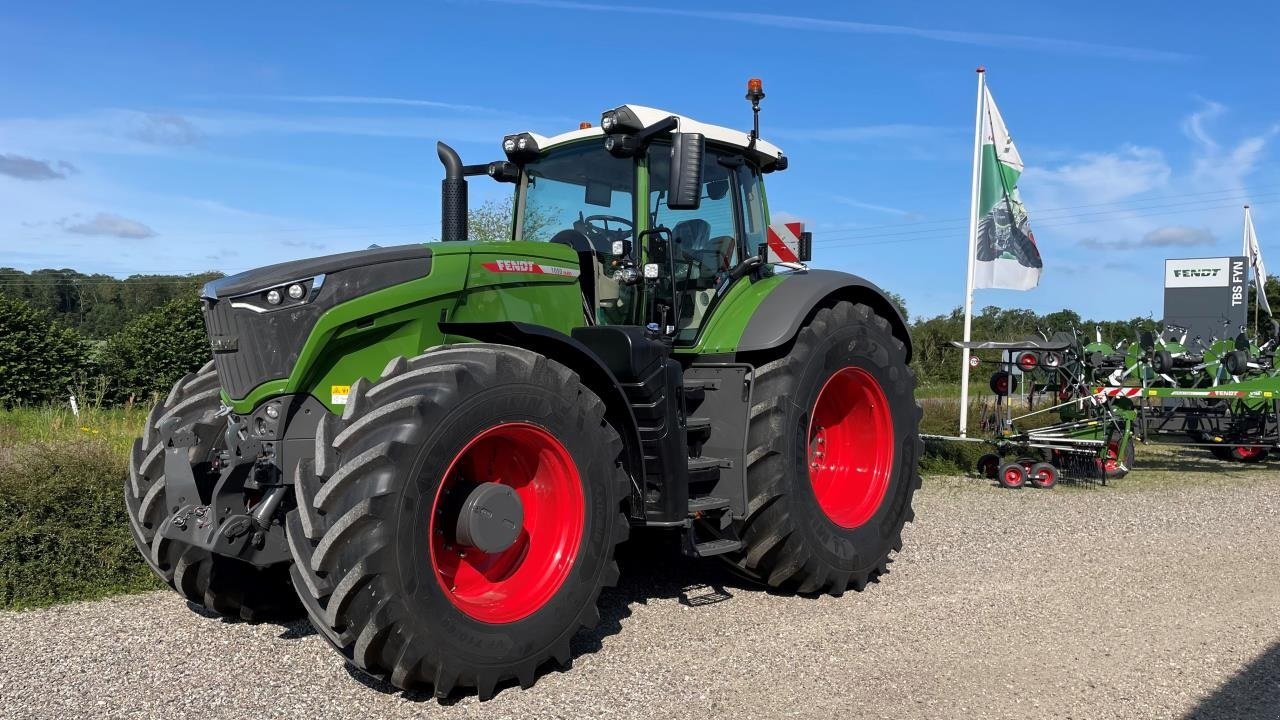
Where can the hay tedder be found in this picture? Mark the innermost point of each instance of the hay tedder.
(1087, 403)
(433, 450)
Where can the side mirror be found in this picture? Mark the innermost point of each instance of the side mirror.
(684, 191)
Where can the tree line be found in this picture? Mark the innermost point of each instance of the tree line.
(65, 332)
(96, 306)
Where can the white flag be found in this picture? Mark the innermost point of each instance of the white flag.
(1005, 248)
(1254, 254)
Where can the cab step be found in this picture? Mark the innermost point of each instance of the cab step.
(707, 504)
(697, 424)
(718, 546)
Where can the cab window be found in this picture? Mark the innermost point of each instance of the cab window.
(705, 241)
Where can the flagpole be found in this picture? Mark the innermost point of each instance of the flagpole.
(1257, 283)
(973, 237)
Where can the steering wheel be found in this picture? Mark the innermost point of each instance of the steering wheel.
(604, 229)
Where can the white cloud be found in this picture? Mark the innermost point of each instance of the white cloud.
(799, 22)
(872, 206)
(1169, 236)
(26, 168)
(109, 224)
(1105, 177)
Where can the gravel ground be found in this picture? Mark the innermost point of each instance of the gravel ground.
(1155, 597)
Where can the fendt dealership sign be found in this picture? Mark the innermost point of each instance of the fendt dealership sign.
(1206, 295)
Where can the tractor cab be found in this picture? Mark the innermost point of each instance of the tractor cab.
(665, 212)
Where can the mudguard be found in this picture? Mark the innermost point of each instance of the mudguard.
(780, 314)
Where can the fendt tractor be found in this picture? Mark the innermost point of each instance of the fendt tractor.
(433, 450)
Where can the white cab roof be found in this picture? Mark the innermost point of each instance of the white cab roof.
(649, 116)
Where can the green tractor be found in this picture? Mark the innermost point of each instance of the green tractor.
(433, 450)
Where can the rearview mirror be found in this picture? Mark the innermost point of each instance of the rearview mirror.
(684, 190)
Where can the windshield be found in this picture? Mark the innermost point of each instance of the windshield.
(580, 187)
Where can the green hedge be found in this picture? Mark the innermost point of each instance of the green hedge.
(153, 351)
(40, 359)
(63, 530)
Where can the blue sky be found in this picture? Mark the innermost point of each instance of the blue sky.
(168, 138)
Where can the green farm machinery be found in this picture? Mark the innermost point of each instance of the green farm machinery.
(433, 450)
(1087, 404)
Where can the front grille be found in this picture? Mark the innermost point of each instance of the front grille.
(251, 348)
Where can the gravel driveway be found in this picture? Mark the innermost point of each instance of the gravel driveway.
(1153, 598)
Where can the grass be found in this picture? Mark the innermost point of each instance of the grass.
(64, 535)
(63, 531)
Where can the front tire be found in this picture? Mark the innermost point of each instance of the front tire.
(223, 585)
(833, 453)
(382, 563)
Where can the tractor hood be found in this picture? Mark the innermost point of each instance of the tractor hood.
(258, 321)
(391, 259)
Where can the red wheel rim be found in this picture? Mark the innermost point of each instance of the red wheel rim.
(1245, 452)
(1045, 476)
(1012, 477)
(514, 583)
(1112, 463)
(1027, 361)
(850, 447)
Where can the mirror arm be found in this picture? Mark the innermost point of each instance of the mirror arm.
(644, 136)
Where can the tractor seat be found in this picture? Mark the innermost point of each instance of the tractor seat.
(692, 235)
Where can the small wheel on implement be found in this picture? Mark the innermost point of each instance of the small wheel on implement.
(1012, 476)
(1248, 453)
(1043, 475)
(988, 465)
(1119, 461)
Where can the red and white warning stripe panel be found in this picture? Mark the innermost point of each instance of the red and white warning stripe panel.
(528, 266)
(1118, 391)
(783, 241)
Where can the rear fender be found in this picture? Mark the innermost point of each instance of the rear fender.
(791, 304)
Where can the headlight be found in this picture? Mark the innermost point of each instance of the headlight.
(620, 120)
(280, 297)
(520, 148)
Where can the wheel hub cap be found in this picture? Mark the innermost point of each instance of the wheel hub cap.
(491, 518)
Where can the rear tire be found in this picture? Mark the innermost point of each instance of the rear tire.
(381, 573)
(223, 585)
(828, 532)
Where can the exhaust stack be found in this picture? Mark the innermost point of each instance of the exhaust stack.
(453, 196)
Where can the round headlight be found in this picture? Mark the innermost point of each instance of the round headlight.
(273, 412)
(295, 291)
(273, 297)
(608, 121)
(509, 145)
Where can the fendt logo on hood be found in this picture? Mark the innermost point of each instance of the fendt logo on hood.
(1197, 272)
(528, 266)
